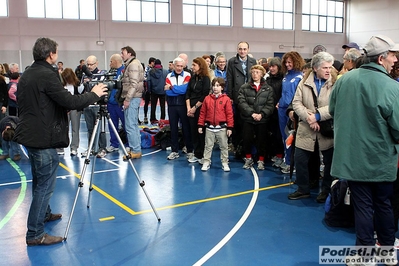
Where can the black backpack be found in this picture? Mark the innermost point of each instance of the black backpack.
(338, 210)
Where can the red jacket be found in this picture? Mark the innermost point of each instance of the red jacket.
(216, 111)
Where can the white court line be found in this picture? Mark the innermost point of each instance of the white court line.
(238, 225)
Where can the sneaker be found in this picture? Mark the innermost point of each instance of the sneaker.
(277, 163)
(298, 195)
(321, 198)
(184, 149)
(248, 163)
(102, 153)
(205, 167)
(356, 260)
(3, 157)
(145, 120)
(154, 122)
(84, 154)
(16, 158)
(225, 167)
(286, 169)
(173, 155)
(395, 245)
(60, 152)
(191, 158)
(111, 149)
(261, 165)
(275, 158)
(74, 152)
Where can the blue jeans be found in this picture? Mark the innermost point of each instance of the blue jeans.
(10, 148)
(44, 165)
(132, 127)
(115, 112)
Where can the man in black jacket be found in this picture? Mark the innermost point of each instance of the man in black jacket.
(238, 74)
(43, 127)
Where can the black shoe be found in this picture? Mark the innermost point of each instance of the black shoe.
(321, 198)
(298, 195)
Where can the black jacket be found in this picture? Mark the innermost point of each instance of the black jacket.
(3, 93)
(235, 76)
(43, 104)
(251, 101)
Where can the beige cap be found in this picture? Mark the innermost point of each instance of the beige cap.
(379, 44)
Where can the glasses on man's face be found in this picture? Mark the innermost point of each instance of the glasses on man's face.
(90, 64)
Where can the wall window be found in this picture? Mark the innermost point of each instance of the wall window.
(141, 10)
(3, 8)
(63, 9)
(323, 15)
(268, 14)
(207, 12)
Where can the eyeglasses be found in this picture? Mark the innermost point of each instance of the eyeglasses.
(90, 64)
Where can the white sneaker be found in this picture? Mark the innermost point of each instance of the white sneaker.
(225, 167)
(101, 153)
(261, 165)
(74, 152)
(395, 245)
(248, 163)
(353, 260)
(191, 158)
(173, 155)
(111, 149)
(205, 167)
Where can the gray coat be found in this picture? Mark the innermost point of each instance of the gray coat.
(235, 75)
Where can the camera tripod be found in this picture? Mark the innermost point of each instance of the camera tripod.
(100, 120)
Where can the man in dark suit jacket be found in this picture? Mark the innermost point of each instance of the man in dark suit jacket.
(238, 73)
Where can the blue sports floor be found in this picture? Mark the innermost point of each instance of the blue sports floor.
(242, 217)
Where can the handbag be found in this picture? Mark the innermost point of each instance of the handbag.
(326, 126)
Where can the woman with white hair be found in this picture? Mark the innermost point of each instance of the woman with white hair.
(315, 86)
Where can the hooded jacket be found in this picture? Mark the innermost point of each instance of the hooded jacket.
(156, 81)
(216, 111)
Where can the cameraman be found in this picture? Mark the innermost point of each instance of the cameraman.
(90, 112)
(43, 126)
(114, 109)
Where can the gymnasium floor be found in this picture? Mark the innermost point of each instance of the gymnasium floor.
(242, 217)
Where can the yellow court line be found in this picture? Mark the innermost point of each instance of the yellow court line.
(102, 192)
(215, 198)
(129, 210)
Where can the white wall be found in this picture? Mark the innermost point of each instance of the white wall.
(77, 39)
(370, 17)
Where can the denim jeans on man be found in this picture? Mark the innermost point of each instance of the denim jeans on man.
(115, 112)
(44, 164)
(132, 127)
(10, 148)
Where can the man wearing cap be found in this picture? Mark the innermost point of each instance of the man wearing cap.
(365, 109)
(350, 45)
(155, 83)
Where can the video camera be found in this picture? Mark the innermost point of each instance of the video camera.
(109, 79)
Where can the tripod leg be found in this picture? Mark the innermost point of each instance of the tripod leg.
(80, 184)
(141, 182)
(97, 133)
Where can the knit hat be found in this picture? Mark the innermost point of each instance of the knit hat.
(379, 44)
(158, 63)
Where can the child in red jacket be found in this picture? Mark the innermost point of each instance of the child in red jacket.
(217, 118)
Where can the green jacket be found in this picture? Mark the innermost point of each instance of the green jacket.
(365, 107)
